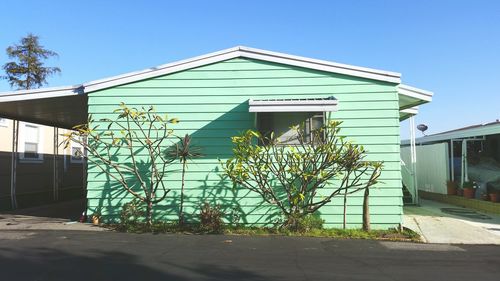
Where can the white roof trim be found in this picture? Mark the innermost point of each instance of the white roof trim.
(325, 105)
(416, 93)
(41, 93)
(245, 52)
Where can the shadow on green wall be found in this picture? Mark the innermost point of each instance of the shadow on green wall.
(205, 180)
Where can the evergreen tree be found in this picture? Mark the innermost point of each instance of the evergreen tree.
(27, 70)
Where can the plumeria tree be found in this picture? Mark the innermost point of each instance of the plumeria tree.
(301, 178)
(131, 150)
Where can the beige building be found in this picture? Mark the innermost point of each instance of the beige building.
(45, 170)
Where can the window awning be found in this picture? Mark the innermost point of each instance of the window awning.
(293, 105)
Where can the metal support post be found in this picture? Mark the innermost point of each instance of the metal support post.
(413, 157)
(13, 168)
(56, 172)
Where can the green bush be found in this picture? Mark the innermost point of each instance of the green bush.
(132, 213)
(291, 176)
(211, 219)
(306, 223)
(468, 184)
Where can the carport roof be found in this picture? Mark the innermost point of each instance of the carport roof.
(67, 106)
(63, 107)
(473, 131)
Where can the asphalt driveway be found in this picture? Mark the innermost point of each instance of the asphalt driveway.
(84, 255)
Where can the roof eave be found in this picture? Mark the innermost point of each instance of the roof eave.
(423, 95)
(41, 93)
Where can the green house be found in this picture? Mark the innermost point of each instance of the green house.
(222, 94)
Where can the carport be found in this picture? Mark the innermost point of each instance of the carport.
(62, 107)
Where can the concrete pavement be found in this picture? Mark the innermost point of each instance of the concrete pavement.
(442, 223)
(58, 216)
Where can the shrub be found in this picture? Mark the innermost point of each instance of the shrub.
(468, 184)
(294, 178)
(211, 218)
(132, 213)
(306, 223)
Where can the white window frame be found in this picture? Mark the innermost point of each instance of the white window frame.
(22, 143)
(3, 122)
(307, 125)
(75, 160)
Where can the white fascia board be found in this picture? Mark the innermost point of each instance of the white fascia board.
(415, 93)
(42, 93)
(329, 63)
(322, 65)
(245, 52)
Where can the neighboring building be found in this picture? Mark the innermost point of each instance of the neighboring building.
(35, 168)
(221, 94)
(466, 154)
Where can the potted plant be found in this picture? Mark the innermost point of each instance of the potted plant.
(451, 186)
(494, 196)
(96, 217)
(484, 196)
(469, 190)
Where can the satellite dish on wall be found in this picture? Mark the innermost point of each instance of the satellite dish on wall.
(422, 128)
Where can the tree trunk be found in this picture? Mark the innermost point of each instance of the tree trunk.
(345, 209)
(149, 213)
(366, 210)
(181, 213)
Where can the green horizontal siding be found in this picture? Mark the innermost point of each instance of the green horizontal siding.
(211, 103)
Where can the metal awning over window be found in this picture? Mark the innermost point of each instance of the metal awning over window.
(294, 105)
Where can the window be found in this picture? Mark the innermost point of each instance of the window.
(77, 152)
(30, 147)
(312, 123)
(3, 122)
(281, 122)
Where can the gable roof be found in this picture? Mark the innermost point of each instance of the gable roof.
(227, 54)
(243, 52)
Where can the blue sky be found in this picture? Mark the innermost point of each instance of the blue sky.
(449, 47)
